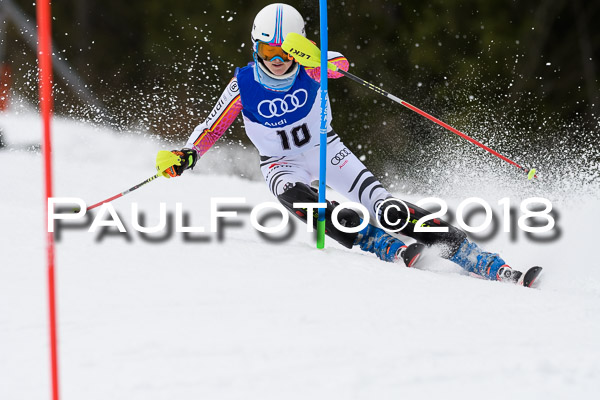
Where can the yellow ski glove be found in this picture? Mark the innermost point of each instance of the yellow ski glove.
(173, 163)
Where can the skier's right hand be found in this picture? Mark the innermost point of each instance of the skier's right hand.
(173, 163)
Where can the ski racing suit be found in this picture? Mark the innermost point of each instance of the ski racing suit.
(284, 126)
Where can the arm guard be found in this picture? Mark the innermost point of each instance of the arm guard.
(218, 121)
(335, 58)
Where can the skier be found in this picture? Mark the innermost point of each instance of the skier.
(279, 102)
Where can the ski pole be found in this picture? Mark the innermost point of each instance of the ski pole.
(530, 173)
(308, 55)
(121, 194)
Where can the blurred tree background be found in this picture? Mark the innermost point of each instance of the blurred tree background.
(508, 72)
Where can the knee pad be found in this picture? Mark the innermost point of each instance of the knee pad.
(303, 193)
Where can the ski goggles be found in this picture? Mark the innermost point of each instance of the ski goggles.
(270, 53)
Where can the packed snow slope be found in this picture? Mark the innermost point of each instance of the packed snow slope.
(244, 318)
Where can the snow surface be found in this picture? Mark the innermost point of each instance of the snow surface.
(243, 318)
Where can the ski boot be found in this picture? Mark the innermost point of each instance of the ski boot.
(507, 274)
(482, 263)
(386, 247)
(491, 266)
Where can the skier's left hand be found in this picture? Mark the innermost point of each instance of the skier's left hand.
(173, 163)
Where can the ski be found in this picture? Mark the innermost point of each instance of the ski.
(412, 253)
(529, 277)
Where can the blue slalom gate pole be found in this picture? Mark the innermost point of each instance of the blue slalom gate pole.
(323, 132)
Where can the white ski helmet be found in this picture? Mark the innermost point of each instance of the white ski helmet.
(274, 22)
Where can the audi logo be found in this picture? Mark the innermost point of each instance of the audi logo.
(280, 107)
(335, 160)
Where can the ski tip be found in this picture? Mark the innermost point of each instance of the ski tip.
(412, 254)
(531, 276)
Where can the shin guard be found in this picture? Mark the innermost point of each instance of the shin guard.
(302, 193)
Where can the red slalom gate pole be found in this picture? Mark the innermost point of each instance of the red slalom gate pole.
(5, 80)
(46, 105)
